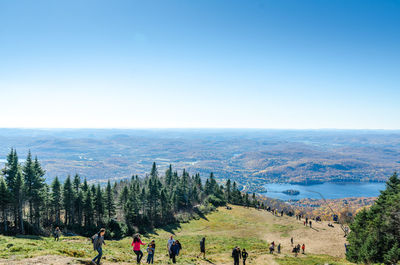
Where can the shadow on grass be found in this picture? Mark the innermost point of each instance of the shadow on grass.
(171, 228)
(31, 237)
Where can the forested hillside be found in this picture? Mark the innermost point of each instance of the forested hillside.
(29, 205)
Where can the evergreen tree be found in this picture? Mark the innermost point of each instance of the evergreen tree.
(29, 179)
(4, 201)
(99, 205)
(38, 191)
(14, 179)
(109, 201)
(69, 198)
(375, 232)
(56, 200)
(88, 208)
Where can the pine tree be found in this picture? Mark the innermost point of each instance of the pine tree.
(15, 184)
(109, 201)
(38, 193)
(78, 201)
(88, 208)
(68, 199)
(375, 232)
(29, 178)
(99, 205)
(4, 201)
(56, 199)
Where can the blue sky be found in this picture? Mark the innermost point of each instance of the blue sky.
(212, 64)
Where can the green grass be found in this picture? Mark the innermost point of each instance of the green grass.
(223, 229)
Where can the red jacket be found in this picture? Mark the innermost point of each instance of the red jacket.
(136, 245)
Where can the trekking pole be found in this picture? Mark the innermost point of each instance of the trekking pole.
(341, 225)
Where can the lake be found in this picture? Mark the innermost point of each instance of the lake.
(328, 190)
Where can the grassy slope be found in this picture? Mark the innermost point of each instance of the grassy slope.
(247, 228)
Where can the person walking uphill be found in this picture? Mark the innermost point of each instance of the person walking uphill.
(244, 256)
(171, 240)
(136, 243)
(98, 241)
(174, 250)
(236, 255)
(150, 252)
(202, 247)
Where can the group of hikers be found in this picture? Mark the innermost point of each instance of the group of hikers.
(296, 248)
(173, 248)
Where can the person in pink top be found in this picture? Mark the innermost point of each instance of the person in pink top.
(137, 242)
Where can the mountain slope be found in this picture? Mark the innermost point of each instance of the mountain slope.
(224, 229)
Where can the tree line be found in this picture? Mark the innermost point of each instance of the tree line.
(29, 205)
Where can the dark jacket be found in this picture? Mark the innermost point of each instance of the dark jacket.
(202, 245)
(175, 249)
(245, 255)
(236, 253)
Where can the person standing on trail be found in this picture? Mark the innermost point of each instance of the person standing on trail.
(56, 234)
(306, 219)
(179, 247)
(310, 224)
(202, 247)
(150, 252)
(236, 255)
(279, 248)
(98, 241)
(303, 248)
(136, 243)
(174, 250)
(244, 256)
(291, 241)
(171, 240)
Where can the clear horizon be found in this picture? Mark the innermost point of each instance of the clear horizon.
(192, 65)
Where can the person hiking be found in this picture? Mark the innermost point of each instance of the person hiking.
(306, 220)
(56, 234)
(202, 247)
(244, 256)
(179, 247)
(174, 250)
(271, 249)
(136, 243)
(150, 252)
(310, 224)
(98, 241)
(236, 255)
(279, 248)
(170, 241)
(303, 248)
(291, 241)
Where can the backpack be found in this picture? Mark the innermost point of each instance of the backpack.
(94, 238)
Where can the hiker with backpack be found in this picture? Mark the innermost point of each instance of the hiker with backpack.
(150, 252)
(137, 243)
(202, 247)
(244, 256)
(98, 241)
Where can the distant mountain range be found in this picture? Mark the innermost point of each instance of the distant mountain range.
(251, 157)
